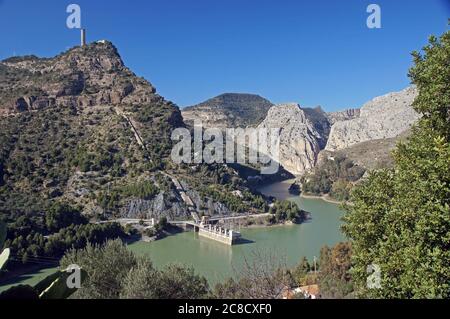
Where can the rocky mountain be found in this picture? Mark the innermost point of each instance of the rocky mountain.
(230, 110)
(344, 115)
(366, 135)
(299, 138)
(384, 117)
(321, 123)
(70, 126)
(81, 128)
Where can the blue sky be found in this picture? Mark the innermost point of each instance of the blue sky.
(312, 52)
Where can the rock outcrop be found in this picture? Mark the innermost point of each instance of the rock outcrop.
(344, 115)
(384, 117)
(81, 77)
(163, 205)
(299, 140)
(319, 119)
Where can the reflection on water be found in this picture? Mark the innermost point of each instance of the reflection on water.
(279, 190)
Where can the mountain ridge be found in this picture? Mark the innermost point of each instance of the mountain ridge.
(81, 128)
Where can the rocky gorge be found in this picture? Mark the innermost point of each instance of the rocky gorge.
(307, 134)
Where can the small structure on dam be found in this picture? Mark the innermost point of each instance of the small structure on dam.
(208, 230)
(224, 235)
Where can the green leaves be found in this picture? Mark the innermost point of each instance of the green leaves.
(4, 255)
(4, 258)
(2, 233)
(116, 272)
(431, 74)
(56, 286)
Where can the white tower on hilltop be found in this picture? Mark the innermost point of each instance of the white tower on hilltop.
(83, 37)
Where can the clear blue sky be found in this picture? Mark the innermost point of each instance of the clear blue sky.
(311, 52)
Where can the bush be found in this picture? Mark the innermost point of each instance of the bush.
(143, 190)
(286, 210)
(334, 176)
(62, 215)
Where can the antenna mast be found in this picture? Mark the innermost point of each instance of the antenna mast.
(83, 37)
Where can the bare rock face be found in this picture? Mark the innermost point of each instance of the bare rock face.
(162, 205)
(299, 140)
(383, 117)
(81, 77)
(345, 115)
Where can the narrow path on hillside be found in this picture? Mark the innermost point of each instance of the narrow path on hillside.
(180, 190)
(136, 134)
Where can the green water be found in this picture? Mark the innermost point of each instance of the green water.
(31, 278)
(217, 261)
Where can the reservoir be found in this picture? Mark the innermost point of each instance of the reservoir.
(218, 261)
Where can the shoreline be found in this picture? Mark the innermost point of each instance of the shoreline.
(269, 226)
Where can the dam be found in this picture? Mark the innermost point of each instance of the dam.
(221, 234)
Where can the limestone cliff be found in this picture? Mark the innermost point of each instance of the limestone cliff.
(344, 115)
(299, 140)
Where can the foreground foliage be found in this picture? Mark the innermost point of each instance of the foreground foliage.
(400, 219)
(266, 275)
(54, 286)
(116, 272)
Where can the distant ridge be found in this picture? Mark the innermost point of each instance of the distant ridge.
(229, 110)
